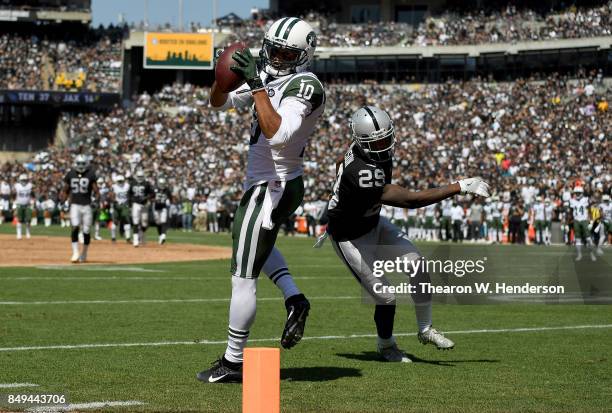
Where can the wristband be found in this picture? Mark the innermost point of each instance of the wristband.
(255, 84)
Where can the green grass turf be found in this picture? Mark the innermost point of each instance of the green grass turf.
(556, 370)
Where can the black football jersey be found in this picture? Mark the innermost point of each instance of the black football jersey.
(162, 196)
(81, 186)
(140, 192)
(354, 208)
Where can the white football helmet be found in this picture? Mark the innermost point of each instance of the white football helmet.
(578, 192)
(23, 179)
(162, 183)
(288, 47)
(120, 179)
(606, 198)
(81, 163)
(373, 132)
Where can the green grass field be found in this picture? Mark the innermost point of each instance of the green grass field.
(174, 318)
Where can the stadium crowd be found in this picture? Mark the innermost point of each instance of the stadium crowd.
(36, 63)
(528, 139)
(513, 25)
(505, 25)
(94, 62)
(329, 33)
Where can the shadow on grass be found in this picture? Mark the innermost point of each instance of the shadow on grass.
(318, 373)
(373, 356)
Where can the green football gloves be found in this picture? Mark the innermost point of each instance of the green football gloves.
(246, 68)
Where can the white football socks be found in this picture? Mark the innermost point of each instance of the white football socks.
(423, 315)
(385, 342)
(243, 306)
(275, 268)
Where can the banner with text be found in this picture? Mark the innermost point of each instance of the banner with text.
(178, 50)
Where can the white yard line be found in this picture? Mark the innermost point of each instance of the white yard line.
(16, 385)
(330, 337)
(96, 268)
(84, 406)
(159, 301)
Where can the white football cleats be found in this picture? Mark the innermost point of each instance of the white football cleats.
(433, 336)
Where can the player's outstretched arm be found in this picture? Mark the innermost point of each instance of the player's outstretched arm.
(398, 196)
(395, 195)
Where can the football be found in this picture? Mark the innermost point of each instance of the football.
(225, 78)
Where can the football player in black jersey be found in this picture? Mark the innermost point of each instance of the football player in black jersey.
(162, 197)
(360, 235)
(141, 193)
(79, 185)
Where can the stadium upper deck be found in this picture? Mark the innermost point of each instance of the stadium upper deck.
(506, 42)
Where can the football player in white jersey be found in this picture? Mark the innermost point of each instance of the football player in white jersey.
(445, 220)
(606, 217)
(23, 204)
(549, 210)
(120, 197)
(5, 199)
(412, 223)
(48, 207)
(287, 101)
(539, 215)
(580, 212)
(495, 226)
(430, 224)
(99, 206)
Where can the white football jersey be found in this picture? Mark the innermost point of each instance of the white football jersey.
(430, 211)
(49, 204)
(486, 209)
(5, 189)
(399, 213)
(539, 211)
(580, 208)
(122, 193)
(606, 211)
(496, 209)
(386, 211)
(447, 207)
(212, 204)
(300, 100)
(23, 193)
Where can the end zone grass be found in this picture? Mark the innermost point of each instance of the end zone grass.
(178, 314)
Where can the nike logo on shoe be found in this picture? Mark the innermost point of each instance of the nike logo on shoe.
(212, 379)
